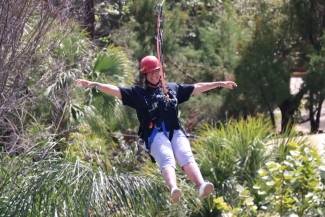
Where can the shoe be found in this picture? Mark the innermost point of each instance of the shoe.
(175, 195)
(205, 189)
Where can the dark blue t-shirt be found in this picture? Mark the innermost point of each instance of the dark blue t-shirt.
(137, 97)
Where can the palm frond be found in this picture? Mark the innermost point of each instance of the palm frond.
(40, 182)
(112, 66)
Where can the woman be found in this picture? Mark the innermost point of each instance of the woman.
(160, 128)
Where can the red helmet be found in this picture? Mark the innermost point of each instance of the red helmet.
(148, 64)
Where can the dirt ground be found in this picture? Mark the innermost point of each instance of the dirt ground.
(316, 139)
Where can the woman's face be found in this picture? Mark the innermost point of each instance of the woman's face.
(154, 76)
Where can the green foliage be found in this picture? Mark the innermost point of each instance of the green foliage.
(75, 56)
(316, 83)
(245, 202)
(232, 155)
(42, 183)
(51, 83)
(86, 173)
(89, 147)
(110, 16)
(144, 27)
(306, 22)
(199, 110)
(242, 144)
(111, 66)
(316, 67)
(293, 186)
(289, 187)
(261, 67)
(221, 32)
(109, 153)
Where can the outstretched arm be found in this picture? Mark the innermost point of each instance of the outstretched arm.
(205, 86)
(106, 88)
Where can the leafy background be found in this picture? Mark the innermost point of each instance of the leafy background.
(67, 151)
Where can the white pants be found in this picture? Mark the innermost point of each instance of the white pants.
(166, 152)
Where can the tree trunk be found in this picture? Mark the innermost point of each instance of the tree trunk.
(90, 18)
(314, 123)
(272, 117)
(288, 108)
(287, 112)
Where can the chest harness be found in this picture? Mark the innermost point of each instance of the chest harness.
(161, 109)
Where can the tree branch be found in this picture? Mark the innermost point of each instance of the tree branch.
(179, 69)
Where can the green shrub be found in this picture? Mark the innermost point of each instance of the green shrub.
(291, 187)
(231, 155)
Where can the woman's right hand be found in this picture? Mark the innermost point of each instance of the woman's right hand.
(106, 88)
(86, 84)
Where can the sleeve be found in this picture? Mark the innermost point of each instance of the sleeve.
(184, 92)
(128, 96)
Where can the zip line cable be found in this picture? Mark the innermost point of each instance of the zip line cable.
(157, 4)
(160, 14)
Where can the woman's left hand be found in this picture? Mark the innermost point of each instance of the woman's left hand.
(227, 84)
(205, 86)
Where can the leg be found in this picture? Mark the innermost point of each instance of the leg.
(169, 176)
(193, 173)
(185, 159)
(162, 151)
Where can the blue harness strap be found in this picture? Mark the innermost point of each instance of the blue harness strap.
(154, 133)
